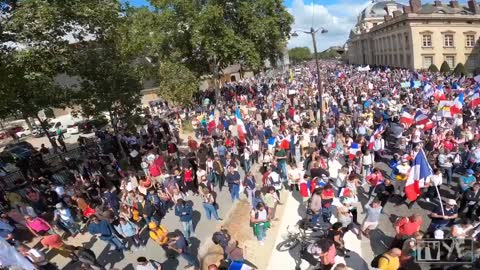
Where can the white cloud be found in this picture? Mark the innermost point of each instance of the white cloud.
(338, 19)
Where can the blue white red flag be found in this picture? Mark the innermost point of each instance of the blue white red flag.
(242, 131)
(419, 172)
(354, 149)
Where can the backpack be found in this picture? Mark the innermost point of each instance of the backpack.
(375, 260)
(219, 238)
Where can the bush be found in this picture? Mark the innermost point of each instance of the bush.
(460, 70)
(445, 68)
(433, 68)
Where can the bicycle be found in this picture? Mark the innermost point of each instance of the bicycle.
(304, 233)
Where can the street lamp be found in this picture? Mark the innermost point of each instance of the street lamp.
(313, 32)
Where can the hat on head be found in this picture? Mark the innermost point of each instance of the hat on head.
(152, 225)
(58, 205)
(451, 202)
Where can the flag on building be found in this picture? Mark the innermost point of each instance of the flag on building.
(458, 103)
(475, 100)
(242, 131)
(419, 172)
(406, 118)
(354, 149)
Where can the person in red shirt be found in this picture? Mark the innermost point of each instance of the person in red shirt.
(406, 227)
(192, 144)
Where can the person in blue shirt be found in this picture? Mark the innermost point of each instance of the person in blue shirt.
(104, 231)
(250, 187)
(466, 181)
(233, 180)
(185, 212)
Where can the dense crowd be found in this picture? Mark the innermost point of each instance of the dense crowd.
(265, 136)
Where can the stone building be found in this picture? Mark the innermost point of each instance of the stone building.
(416, 35)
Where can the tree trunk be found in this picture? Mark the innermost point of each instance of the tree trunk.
(29, 124)
(119, 141)
(45, 129)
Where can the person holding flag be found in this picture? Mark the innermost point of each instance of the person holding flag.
(417, 176)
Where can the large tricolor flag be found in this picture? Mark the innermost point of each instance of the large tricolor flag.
(242, 131)
(458, 103)
(439, 93)
(406, 118)
(420, 118)
(418, 174)
(354, 149)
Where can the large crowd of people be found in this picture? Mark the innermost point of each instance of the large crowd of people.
(388, 136)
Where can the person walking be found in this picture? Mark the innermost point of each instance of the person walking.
(250, 187)
(209, 204)
(390, 260)
(179, 245)
(104, 231)
(233, 180)
(373, 211)
(130, 232)
(184, 211)
(261, 222)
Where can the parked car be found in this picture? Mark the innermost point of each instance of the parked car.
(73, 129)
(89, 125)
(20, 150)
(23, 133)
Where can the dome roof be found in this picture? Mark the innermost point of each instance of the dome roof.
(377, 9)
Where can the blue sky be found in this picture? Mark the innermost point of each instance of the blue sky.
(338, 16)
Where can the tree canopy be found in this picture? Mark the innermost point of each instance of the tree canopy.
(299, 54)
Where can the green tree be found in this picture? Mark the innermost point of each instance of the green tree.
(460, 70)
(33, 53)
(207, 36)
(444, 68)
(177, 83)
(433, 68)
(299, 54)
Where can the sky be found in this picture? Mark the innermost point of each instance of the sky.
(337, 16)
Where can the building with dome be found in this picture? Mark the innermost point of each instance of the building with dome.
(416, 35)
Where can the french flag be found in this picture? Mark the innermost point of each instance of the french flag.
(378, 131)
(406, 118)
(458, 103)
(419, 172)
(354, 149)
(211, 122)
(475, 100)
(439, 93)
(242, 131)
(421, 118)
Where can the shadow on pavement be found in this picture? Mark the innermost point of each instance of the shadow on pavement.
(196, 218)
(379, 241)
(357, 261)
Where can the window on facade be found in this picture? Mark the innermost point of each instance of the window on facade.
(448, 41)
(450, 59)
(426, 41)
(470, 40)
(427, 61)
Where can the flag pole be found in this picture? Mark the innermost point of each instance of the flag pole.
(439, 198)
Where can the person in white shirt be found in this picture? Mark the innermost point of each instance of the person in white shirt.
(435, 179)
(378, 146)
(295, 174)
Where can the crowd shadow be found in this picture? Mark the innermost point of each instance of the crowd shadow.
(356, 260)
(379, 242)
(196, 218)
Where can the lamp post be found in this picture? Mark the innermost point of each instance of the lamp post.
(313, 32)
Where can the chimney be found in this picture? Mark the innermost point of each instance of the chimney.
(454, 4)
(397, 13)
(415, 5)
(473, 6)
(437, 3)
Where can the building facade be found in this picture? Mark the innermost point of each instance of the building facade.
(417, 35)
